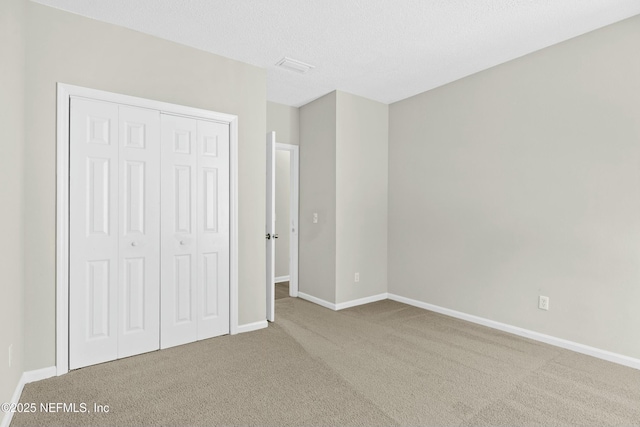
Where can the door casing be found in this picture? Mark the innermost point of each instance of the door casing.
(270, 248)
(64, 94)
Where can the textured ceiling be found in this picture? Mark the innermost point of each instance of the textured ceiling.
(385, 50)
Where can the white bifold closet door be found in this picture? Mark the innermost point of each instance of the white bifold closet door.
(149, 231)
(114, 286)
(195, 230)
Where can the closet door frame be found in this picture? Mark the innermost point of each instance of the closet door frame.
(64, 94)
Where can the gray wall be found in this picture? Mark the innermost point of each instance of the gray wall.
(361, 197)
(343, 177)
(283, 179)
(12, 23)
(285, 121)
(317, 250)
(62, 47)
(524, 180)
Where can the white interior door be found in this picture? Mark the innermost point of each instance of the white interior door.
(110, 221)
(146, 271)
(213, 229)
(93, 236)
(271, 225)
(178, 230)
(139, 223)
(115, 220)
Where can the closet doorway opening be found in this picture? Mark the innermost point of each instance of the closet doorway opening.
(116, 186)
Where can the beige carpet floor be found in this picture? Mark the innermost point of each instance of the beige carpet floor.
(384, 363)
(282, 290)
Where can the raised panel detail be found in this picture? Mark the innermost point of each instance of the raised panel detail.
(134, 197)
(134, 302)
(183, 198)
(182, 141)
(210, 279)
(98, 130)
(98, 299)
(210, 200)
(134, 135)
(97, 196)
(182, 281)
(210, 147)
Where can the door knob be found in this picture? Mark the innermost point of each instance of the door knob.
(134, 244)
(268, 236)
(275, 236)
(182, 242)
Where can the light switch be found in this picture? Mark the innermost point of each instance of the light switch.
(315, 218)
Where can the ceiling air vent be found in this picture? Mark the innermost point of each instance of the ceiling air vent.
(294, 65)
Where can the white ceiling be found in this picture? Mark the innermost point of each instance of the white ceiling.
(385, 50)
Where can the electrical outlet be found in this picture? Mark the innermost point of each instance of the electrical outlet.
(357, 277)
(10, 353)
(543, 302)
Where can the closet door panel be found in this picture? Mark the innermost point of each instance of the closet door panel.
(93, 237)
(139, 229)
(178, 231)
(149, 231)
(213, 228)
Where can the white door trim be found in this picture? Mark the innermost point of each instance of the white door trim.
(270, 224)
(294, 195)
(64, 94)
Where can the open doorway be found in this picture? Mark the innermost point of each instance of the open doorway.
(282, 222)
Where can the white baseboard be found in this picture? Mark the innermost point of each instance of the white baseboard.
(361, 301)
(536, 336)
(342, 305)
(315, 300)
(248, 327)
(8, 416)
(39, 374)
(26, 378)
(281, 279)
